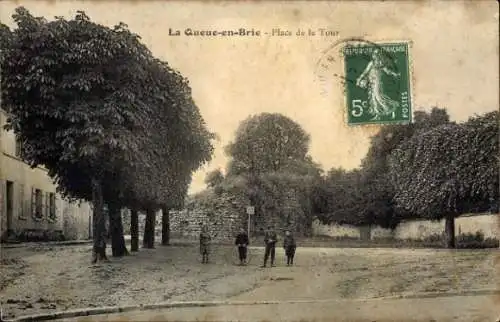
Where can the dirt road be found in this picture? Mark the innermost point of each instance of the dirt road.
(457, 308)
(48, 279)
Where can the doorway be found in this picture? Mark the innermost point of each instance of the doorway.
(10, 203)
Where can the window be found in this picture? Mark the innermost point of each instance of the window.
(46, 205)
(52, 206)
(9, 193)
(37, 204)
(19, 148)
(21, 203)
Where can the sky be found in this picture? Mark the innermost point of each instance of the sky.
(454, 60)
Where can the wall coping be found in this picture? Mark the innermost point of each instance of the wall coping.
(40, 167)
(315, 219)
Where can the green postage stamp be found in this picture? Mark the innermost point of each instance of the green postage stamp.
(378, 83)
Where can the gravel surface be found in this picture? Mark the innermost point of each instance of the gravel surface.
(40, 279)
(480, 308)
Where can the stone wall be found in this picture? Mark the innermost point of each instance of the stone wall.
(335, 230)
(488, 224)
(222, 225)
(225, 214)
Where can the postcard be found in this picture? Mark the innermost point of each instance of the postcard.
(249, 160)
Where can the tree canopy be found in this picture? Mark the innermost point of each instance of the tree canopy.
(448, 170)
(424, 171)
(452, 168)
(94, 103)
(365, 196)
(107, 119)
(270, 166)
(268, 142)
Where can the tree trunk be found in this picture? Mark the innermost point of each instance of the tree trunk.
(149, 230)
(118, 247)
(450, 231)
(99, 225)
(134, 230)
(165, 226)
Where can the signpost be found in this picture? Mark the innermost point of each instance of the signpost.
(250, 212)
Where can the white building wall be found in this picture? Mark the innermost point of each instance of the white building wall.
(488, 224)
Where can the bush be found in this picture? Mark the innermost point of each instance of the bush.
(431, 241)
(476, 240)
(463, 241)
(384, 239)
(434, 238)
(491, 243)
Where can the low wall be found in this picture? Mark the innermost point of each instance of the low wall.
(225, 214)
(222, 225)
(488, 224)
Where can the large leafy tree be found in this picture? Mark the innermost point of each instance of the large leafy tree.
(344, 197)
(287, 196)
(375, 182)
(483, 161)
(94, 106)
(448, 170)
(267, 142)
(365, 196)
(176, 144)
(270, 157)
(65, 87)
(339, 198)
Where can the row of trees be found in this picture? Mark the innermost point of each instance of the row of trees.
(432, 168)
(112, 124)
(365, 196)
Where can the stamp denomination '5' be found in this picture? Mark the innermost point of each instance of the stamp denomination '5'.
(378, 86)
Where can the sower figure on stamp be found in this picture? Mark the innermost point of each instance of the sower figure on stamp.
(290, 246)
(379, 103)
(205, 240)
(270, 240)
(242, 242)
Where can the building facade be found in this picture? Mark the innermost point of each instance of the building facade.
(30, 208)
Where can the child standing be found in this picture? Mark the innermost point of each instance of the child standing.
(289, 245)
(270, 240)
(205, 239)
(242, 243)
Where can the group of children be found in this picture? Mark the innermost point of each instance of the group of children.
(242, 241)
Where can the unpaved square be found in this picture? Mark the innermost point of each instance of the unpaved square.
(47, 279)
